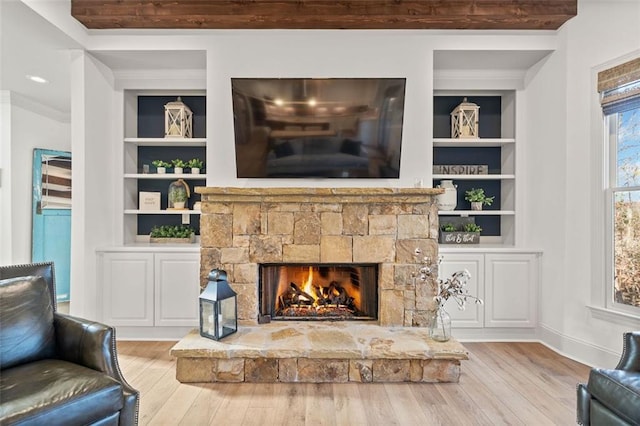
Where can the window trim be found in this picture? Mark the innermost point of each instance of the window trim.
(600, 216)
(610, 140)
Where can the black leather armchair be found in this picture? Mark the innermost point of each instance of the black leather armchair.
(55, 368)
(612, 397)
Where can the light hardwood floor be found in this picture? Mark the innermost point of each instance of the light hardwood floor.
(501, 383)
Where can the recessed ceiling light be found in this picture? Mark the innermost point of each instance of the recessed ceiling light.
(37, 79)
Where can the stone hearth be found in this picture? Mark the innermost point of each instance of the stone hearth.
(244, 227)
(319, 352)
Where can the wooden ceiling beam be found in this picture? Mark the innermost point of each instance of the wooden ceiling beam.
(324, 14)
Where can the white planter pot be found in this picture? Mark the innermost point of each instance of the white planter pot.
(162, 170)
(178, 170)
(448, 200)
(195, 171)
(476, 205)
(178, 204)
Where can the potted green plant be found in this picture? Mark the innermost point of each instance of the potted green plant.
(472, 227)
(195, 164)
(172, 234)
(448, 227)
(478, 198)
(161, 166)
(178, 166)
(178, 195)
(459, 232)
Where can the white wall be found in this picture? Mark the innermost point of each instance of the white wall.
(25, 127)
(93, 143)
(320, 54)
(5, 177)
(568, 214)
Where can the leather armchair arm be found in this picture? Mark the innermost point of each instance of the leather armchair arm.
(583, 407)
(93, 345)
(630, 359)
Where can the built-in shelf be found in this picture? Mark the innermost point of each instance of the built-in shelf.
(142, 144)
(170, 142)
(136, 212)
(474, 177)
(471, 143)
(476, 212)
(164, 176)
(495, 148)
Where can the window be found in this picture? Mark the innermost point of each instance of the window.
(620, 88)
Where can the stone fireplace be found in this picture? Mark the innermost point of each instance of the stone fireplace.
(244, 228)
(346, 256)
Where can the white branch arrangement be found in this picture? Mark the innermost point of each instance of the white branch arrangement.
(453, 287)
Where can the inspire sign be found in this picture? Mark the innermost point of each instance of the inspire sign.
(461, 169)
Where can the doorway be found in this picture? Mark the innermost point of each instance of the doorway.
(51, 215)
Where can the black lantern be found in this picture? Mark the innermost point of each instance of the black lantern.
(218, 307)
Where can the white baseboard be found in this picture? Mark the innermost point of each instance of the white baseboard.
(151, 333)
(572, 348)
(578, 350)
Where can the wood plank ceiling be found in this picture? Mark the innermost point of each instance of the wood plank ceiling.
(324, 14)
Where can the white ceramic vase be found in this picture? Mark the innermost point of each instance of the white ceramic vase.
(449, 199)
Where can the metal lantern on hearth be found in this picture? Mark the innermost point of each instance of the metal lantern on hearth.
(218, 307)
(464, 120)
(178, 120)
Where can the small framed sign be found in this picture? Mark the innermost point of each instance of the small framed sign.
(149, 201)
(461, 169)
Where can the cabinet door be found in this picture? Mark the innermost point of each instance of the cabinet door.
(177, 288)
(474, 263)
(127, 289)
(511, 286)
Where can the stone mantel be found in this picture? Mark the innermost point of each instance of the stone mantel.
(242, 228)
(309, 195)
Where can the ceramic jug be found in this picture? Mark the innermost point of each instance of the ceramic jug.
(449, 199)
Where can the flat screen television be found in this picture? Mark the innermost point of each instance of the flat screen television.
(318, 127)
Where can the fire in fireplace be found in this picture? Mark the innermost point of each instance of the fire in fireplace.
(319, 291)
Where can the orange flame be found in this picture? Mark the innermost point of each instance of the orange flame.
(307, 287)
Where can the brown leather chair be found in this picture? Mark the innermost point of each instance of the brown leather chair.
(612, 397)
(55, 368)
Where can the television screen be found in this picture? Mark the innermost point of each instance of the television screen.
(318, 127)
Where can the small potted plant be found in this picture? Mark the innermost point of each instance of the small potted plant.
(195, 164)
(172, 234)
(472, 227)
(178, 166)
(178, 195)
(161, 166)
(448, 227)
(478, 198)
(459, 232)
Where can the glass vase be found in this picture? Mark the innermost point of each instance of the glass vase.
(440, 326)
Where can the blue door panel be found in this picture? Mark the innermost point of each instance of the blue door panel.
(51, 229)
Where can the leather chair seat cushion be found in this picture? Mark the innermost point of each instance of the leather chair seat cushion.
(26, 315)
(51, 392)
(618, 390)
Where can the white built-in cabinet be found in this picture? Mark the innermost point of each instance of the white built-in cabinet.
(149, 289)
(506, 281)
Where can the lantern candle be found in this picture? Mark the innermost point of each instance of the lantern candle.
(218, 307)
(464, 120)
(178, 120)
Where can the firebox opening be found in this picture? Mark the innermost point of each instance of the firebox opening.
(326, 291)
